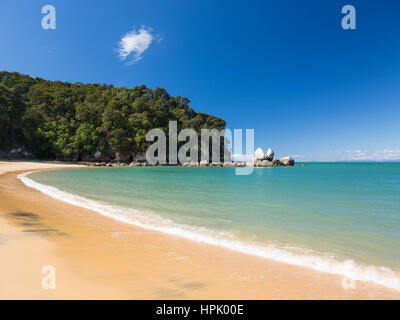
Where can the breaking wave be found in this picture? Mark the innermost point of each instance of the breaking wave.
(298, 257)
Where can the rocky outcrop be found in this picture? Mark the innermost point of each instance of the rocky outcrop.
(287, 161)
(215, 164)
(269, 155)
(259, 154)
(273, 163)
(240, 164)
(190, 164)
(203, 163)
(264, 163)
(269, 161)
(135, 164)
(260, 160)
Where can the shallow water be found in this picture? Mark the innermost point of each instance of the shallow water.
(320, 216)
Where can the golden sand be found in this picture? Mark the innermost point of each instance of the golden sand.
(98, 257)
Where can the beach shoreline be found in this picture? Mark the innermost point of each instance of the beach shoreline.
(99, 257)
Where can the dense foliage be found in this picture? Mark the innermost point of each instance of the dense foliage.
(60, 120)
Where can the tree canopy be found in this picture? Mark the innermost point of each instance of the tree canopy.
(73, 121)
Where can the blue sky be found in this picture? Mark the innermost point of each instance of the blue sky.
(285, 68)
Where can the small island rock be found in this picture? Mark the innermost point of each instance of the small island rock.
(287, 161)
(270, 155)
(259, 154)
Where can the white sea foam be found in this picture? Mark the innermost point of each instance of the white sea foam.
(305, 258)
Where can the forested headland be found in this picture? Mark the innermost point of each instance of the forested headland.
(75, 121)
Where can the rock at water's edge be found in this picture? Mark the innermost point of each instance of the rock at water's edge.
(287, 161)
(270, 155)
(259, 154)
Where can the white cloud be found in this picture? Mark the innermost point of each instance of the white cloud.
(134, 43)
(377, 155)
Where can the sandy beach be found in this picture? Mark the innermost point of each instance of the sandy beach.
(96, 257)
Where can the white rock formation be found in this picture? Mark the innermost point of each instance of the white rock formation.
(259, 154)
(287, 161)
(270, 154)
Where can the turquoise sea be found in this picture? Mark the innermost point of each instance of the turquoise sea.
(341, 218)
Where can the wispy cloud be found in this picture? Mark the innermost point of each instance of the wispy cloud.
(377, 155)
(134, 43)
(388, 154)
(241, 157)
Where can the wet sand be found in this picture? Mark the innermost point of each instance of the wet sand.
(98, 257)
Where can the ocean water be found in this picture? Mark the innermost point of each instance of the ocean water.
(340, 218)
